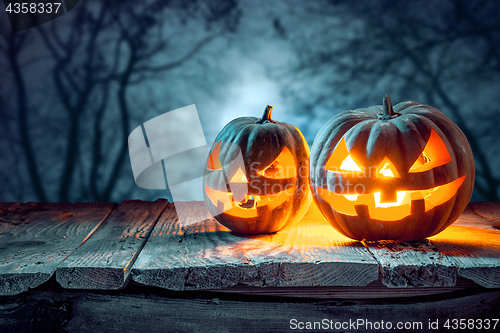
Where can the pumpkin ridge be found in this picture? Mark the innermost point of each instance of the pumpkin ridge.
(410, 139)
(382, 138)
(357, 137)
(343, 225)
(403, 107)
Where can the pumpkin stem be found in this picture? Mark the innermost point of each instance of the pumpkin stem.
(388, 111)
(266, 117)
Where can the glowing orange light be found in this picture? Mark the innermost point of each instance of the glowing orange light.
(341, 160)
(434, 154)
(351, 197)
(348, 164)
(387, 170)
(391, 211)
(213, 162)
(282, 167)
(237, 202)
(239, 177)
(225, 203)
(400, 197)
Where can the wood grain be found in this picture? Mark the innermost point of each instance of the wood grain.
(412, 264)
(452, 253)
(375, 290)
(489, 210)
(474, 251)
(104, 260)
(91, 250)
(206, 255)
(482, 216)
(216, 315)
(136, 311)
(35, 238)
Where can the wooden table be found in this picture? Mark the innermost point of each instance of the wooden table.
(137, 267)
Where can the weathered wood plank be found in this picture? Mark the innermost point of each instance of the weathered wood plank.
(104, 260)
(413, 264)
(489, 210)
(36, 237)
(375, 290)
(474, 251)
(207, 255)
(424, 264)
(122, 311)
(486, 220)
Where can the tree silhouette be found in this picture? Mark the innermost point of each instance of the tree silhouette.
(72, 89)
(96, 56)
(442, 53)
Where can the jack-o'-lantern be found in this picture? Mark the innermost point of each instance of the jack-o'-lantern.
(269, 189)
(404, 172)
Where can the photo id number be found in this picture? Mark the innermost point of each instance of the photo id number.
(33, 7)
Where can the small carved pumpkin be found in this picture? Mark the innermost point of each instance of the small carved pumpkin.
(391, 173)
(269, 190)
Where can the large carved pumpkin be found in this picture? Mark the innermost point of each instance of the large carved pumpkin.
(391, 173)
(269, 190)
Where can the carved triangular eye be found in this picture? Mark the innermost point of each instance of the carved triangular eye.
(282, 167)
(341, 160)
(239, 177)
(434, 154)
(348, 164)
(213, 162)
(386, 169)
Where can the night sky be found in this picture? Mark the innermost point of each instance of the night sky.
(73, 89)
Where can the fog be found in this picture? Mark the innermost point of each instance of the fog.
(73, 89)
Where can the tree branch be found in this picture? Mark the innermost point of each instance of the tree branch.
(15, 44)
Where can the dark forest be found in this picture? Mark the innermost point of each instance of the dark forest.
(72, 89)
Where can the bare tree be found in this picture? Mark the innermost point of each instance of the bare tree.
(106, 49)
(13, 46)
(435, 52)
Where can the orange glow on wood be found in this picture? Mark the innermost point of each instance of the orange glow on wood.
(311, 231)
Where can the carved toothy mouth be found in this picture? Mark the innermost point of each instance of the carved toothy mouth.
(404, 205)
(224, 202)
(249, 202)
